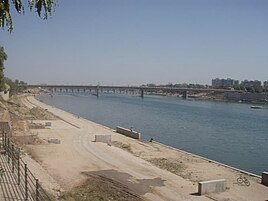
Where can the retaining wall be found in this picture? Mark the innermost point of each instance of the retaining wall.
(128, 132)
(229, 95)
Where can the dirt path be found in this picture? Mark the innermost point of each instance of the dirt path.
(77, 157)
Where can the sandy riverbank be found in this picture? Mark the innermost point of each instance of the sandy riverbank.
(149, 171)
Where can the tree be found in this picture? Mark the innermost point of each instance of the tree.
(258, 89)
(15, 86)
(3, 57)
(42, 7)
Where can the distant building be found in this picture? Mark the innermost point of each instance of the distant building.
(265, 84)
(251, 83)
(224, 83)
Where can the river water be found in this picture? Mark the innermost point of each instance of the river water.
(230, 133)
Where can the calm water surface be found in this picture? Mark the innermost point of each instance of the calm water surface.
(229, 133)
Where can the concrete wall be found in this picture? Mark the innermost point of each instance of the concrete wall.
(245, 96)
(232, 96)
(103, 138)
(213, 186)
(264, 178)
(54, 141)
(4, 95)
(47, 123)
(128, 132)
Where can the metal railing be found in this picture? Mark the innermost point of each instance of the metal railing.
(29, 186)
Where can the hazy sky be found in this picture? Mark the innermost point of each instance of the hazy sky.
(133, 42)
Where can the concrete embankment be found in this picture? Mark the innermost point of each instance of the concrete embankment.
(210, 161)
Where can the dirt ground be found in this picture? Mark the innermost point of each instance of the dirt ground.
(78, 168)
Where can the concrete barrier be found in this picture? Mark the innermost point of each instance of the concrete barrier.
(103, 138)
(264, 178)
(48, 123)
(212, 186)
(54, 141)
(128, 132)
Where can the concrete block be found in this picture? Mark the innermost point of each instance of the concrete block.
(47, 123)
(103, 138)
(264, 178)
(128, 132)
(54, 140)
(212, 186)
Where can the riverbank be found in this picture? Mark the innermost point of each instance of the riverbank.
(148, 171)
(212, 96)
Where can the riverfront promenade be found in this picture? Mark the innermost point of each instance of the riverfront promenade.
(150, 170)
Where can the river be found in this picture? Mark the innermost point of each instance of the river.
(230, 133)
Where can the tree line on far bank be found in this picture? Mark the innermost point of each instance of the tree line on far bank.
(251, 89)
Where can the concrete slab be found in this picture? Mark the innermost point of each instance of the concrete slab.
(54, 141)
(264, 178)
(47, 123)
(128, 132)
(103, 138)
(212, 186)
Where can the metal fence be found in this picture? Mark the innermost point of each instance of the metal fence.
(29, 186)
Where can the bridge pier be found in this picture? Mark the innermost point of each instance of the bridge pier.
(184, 94)
(97, 91)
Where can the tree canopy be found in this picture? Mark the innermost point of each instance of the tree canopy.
(42, 7)
(3, 57)
(15, 86)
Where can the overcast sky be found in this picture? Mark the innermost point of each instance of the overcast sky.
(134, 42)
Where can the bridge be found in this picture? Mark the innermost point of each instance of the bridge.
(97, 89)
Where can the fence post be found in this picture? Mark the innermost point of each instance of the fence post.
(5, 141)
(18, 169)
(2, 141)
(37, 190)
(12, 157)
(8, 151)
(26, 182)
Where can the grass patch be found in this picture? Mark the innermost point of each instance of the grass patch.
(98, 188)
(174, 167)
